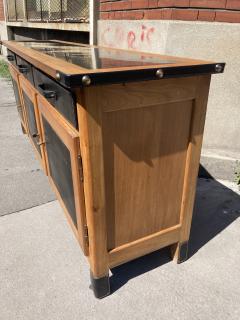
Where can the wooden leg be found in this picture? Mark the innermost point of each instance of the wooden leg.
(179, 252)
(100, 286)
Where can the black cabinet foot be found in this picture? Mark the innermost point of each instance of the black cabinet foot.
(180, 252)
(100, 286)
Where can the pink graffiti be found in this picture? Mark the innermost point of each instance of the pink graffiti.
(143, 33)
(134, 38)
(149, 32)
(131, 37)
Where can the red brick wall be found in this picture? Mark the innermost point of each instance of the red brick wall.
(1, 11)
(202, 10)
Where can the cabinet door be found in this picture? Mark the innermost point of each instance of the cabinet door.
(32, 118)
(16, 89)
(62, 147)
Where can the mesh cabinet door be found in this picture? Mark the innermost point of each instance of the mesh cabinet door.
(62, 148)
(32, 118)
(16, 89)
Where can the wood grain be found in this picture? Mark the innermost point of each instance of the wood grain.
(138, 248)
(144, 147)
(94, 187)
(144, 156)
(193, 159)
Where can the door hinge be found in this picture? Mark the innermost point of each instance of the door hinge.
(80, 167)
(85, 235)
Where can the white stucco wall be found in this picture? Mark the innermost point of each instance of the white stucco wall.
(204, 40)
(3, 34)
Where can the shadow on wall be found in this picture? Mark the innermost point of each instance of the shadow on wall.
(216, 207)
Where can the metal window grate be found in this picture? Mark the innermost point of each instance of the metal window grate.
(49, 10)
(76, 11)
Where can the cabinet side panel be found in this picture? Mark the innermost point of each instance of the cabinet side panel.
(144, 162)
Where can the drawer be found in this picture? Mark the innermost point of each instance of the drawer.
(61, 99)
(11, 57)
(25, 68)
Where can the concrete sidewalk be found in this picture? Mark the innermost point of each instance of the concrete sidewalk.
(43, 274)
(23, 184)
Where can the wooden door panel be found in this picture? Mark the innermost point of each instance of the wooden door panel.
(144, 155)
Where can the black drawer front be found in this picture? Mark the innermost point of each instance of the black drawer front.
(11, 57)
(62, 99)
(17, 98)
(60, 168)
(33, 131)
(25, 69)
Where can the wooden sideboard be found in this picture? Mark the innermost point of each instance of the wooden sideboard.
(119, 134)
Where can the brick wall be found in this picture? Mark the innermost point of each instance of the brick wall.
(1, 11)
(201, 10)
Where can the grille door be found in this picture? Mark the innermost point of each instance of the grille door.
(32, 118)
(62, 149)
(16, 89)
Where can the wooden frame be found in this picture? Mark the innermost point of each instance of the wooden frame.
(15, 75)
(71, 75)
(27, 88)
(70, 138)
(51, 64)
(91, 113)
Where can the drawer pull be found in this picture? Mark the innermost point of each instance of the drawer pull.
(48, 94)
(23, 69)
(10, 57)
(35, 135)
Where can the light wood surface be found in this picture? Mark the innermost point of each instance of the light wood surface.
(144, 147)
(93, 171)
(141, 134)
(143, 246)
(193, 159)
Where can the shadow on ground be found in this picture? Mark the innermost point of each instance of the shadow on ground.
(216, 207)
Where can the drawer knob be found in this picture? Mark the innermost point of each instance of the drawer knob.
(22, 68)
(10, 57)
(35, 135)
(48, 94)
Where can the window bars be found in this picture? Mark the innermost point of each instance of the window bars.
(48, 10)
